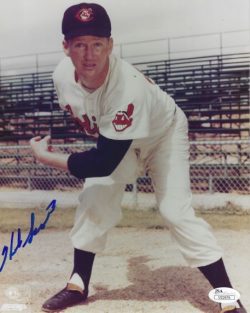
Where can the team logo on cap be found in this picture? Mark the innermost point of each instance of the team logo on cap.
(85, 15)
(123, 119)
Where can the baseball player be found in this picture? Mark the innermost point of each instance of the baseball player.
(136, 124)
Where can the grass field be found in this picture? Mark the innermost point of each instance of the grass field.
(11, 219)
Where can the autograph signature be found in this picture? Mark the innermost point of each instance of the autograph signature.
(12, 249)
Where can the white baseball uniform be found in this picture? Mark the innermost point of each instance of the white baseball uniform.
(130, 106)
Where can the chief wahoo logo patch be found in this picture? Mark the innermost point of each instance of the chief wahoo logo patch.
(123, 119)
(85, 15)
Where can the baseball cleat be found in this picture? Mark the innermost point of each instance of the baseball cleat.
(233, 309)
(64, 299)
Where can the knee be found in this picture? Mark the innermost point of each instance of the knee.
(175, 210)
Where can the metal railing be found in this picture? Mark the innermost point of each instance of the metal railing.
(237, 41)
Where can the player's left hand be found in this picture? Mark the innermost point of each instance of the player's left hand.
(40, 146)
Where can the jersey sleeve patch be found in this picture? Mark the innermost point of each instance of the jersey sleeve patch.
(123, 119)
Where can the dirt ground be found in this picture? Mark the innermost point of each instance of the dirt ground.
(140, 270)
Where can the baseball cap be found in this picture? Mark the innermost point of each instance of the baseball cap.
(86, 19)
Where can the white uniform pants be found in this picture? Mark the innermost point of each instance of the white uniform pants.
(168, 164)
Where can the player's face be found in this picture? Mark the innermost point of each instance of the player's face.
(90, 56)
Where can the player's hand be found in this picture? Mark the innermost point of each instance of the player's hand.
(40, 146)
(42, 151)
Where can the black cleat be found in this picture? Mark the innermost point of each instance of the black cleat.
(64, 299)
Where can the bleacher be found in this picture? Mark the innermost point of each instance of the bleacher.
(213, 91)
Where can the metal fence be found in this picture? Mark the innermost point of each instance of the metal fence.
(215, 166)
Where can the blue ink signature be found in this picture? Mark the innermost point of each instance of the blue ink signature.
(11, 250)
